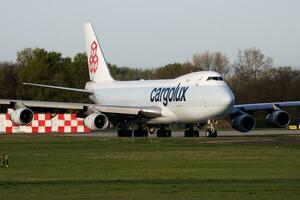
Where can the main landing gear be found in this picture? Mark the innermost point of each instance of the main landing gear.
(136, 133)
(162, 132)
(124, 124)
(143, 133)
(140, 133)
(210, 129)
(126, 132)
(190, 131)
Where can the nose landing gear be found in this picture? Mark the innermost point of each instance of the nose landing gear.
(210, 129)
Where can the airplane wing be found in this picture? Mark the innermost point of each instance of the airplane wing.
(45, 104)
(148, 112)
(264, 106)
(59, 88)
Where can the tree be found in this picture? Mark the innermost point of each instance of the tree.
(250, 68)
(168, 71)
(8, 80)
(78, 66)
(251, 63)
(39, 66)
(215, 61)
(127, 73)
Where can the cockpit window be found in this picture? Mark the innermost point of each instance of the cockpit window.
(215, 78)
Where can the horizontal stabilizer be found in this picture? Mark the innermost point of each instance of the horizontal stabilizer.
(59, 88)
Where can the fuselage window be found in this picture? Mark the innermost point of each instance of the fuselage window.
(215, 78)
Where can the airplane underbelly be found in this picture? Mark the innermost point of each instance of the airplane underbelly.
(187, 115)
(196, 114)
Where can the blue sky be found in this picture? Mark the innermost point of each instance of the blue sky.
(140, 33)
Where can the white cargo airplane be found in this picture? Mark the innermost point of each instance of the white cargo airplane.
(193, 99)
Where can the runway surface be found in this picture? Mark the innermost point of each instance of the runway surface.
(202, 133)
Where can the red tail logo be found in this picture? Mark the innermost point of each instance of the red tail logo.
(93, 59)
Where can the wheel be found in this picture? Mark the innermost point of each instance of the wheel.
(137, 133)
(168, 133)
(214, 133)
(160, 133)
(120, 133)
(188, 133)
(210, 133)
(146, 133)
(124, 133)
(128, 133)
(191, 133)
(140, 133)
(196, 133)
(163, 133)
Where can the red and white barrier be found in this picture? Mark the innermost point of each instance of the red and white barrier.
(9, 127)
(69, 123)
(44, 123)
(41, 123)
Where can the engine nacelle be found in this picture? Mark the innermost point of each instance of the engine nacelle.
(243, 123)
(278, 118)
(96, 121)
(21, 116)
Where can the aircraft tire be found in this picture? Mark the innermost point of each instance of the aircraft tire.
(210, 133)
(196, 133)
(163, 133)
(128, 133)
(215, 133)
(146, 133)
(168, 133)
(120, 133)
(137, 133)
(140, 133)
(124, 133)
(159, 133)
(188, 133)
(191, 133)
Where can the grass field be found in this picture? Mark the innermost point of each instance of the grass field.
(52, 167)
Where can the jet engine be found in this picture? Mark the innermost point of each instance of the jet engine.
(96, 121)
(243, 123)
(278, 118)
(21, 116)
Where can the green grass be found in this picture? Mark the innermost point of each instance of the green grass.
(49, 167)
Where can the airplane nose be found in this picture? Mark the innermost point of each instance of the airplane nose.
(228, 98)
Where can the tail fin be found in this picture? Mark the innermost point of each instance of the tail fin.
(98, 69)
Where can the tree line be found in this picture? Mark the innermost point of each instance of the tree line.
(252, 76)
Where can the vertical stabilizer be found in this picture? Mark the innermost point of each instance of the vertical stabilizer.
(98, 69)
